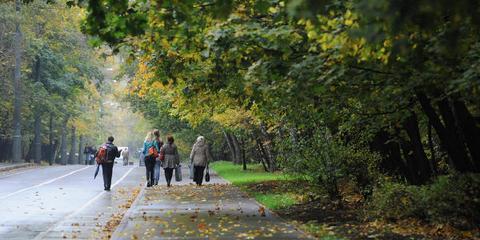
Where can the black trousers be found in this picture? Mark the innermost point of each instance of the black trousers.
(198, 174)
(168, 174)
(107, 169)
(150, 165)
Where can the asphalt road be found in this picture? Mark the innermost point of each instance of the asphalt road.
(61, 201)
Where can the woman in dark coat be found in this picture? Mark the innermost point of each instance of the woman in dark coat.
(172, 159)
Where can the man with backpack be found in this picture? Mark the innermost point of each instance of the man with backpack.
(105, 156)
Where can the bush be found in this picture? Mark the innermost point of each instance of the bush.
(317, 157)
(453, 199)
(325, 160)
(394, 201)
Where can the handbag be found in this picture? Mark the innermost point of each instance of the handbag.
(207, 175)
(162, 154)
(191, 170)
(178, 173)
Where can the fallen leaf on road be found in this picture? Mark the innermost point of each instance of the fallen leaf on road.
(261, 210)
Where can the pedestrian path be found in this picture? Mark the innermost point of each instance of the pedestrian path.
(4, 167)
(217, 210)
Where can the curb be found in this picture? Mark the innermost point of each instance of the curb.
(16, 166)
(116, 234)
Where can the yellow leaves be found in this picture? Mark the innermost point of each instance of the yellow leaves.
(348, 22)
(261, 211)
(164, 43)
(312, 34)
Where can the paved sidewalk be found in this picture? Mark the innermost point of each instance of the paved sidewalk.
(217, 210)
(11, 166)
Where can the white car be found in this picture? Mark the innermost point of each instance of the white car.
(123, 155)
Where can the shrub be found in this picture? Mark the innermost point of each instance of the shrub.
(453, 199)
(394, 201)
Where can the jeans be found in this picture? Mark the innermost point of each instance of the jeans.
(198, 174)
(168, 175)
(149, 165)
(157, 171)
(107, 169)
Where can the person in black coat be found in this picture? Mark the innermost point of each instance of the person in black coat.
(107, 167)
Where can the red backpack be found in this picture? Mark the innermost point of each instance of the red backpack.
(101, 156)
(152, 151)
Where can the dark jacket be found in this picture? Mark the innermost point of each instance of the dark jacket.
(112, 152)
(172, 159)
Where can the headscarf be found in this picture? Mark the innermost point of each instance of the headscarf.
(200, 141)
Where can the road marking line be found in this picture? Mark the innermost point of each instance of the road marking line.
(43, 234)
(98, 196)
(43, 183)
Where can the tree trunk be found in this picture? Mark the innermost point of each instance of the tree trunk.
(17, 106)
(462, 162)
(420, 164)
(391, 153)
(51, 154)
(263, 156)
(37, 139)
(470, 131)
(244, 160)
(80, 150)
(63, 145)
(448, 141)
(433, 159)
(230, 146)
(270, 146)
(238, 148)
(71, 157)
(38, 118)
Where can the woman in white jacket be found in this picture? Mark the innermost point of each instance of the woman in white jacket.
(199, 158)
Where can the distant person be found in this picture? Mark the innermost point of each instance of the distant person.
(110, 151)
(125, 156)
(199, 158)
(158, 162)
(150, 152)
(86, 152)
(93, 152)
(171, 159)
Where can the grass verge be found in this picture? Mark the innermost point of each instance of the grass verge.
(277, 191)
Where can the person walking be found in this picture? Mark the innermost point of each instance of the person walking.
(107, 164)
(150, 151)
(158, 162)
(199, 158)
(125, 156)
(171, 159)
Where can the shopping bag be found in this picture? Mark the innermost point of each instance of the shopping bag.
(207, 175)
(178, 173)
(191, 170)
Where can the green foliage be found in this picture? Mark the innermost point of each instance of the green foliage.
(453, 199)
(397, 201)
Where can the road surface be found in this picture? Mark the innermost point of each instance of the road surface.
(63, 201)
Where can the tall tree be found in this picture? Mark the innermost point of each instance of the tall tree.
(17, 106)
